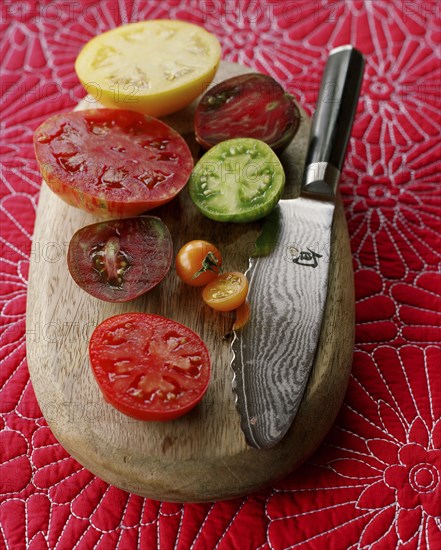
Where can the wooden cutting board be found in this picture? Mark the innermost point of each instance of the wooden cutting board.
(202, 456)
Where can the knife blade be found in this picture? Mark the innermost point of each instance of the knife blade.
(273, 353)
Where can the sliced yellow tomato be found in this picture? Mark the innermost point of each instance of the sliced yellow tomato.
(154, 67)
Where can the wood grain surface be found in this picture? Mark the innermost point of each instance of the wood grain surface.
(202, 456)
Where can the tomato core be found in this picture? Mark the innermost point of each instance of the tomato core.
(110, 262)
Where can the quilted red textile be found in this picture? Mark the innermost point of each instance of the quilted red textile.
(376, 480)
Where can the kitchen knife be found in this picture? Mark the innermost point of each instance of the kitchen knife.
(274, 352)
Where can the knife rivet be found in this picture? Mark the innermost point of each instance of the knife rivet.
(253, 421)
(293, 251)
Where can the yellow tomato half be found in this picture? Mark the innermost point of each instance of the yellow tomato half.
(154, 67)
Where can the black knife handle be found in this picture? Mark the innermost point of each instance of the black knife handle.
(332, 121)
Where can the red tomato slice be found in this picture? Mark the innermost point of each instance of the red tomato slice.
(112, 162)
(149, 367)
(118, 260)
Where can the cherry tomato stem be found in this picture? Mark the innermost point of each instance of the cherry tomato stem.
(209, 263)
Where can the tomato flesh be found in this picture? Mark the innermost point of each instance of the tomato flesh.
(227, 292)
(149, 367)
(239, 180)
(250, 105)
(198, 262)
(110, 162)
(119, 260)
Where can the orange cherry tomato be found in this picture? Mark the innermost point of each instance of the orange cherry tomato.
(198, 262)
(227, 292)
(242, 316)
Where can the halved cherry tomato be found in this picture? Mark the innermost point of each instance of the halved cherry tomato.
(198, 262)
(119, 260)
(149, 367)
(155, 67)
(227, 292)
(111, 162)
(250, 105)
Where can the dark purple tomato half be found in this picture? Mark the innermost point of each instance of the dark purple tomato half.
(119, 260)
(251, 105)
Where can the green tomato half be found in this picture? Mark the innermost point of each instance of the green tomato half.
(238, 180)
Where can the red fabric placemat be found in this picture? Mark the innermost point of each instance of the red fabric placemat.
(376, 480)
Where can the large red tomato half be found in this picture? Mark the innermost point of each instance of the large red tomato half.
(149, 367)
(112, 162)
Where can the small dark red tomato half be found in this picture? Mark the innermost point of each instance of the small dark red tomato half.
(112, 162)
(251, 105)
(119, 260)
(149, 367)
